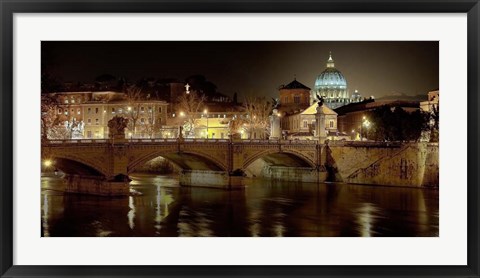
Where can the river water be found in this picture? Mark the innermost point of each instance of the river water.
(160, 207)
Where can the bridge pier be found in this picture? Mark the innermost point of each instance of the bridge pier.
(96, 185)
(214, 179)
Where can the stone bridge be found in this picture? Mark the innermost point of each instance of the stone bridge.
(223, 163)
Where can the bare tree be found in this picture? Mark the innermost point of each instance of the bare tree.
(153, 122)
(258, 110)
(134, 96)
(188, 107)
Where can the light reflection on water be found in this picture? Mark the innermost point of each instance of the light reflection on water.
(160, 207)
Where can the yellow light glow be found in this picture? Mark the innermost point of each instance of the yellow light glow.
(182, 114)
(129, 108)
(205, 111)
(47, 163)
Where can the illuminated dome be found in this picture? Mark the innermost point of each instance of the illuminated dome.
(332, 86)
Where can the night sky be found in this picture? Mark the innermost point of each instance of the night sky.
(374, 68)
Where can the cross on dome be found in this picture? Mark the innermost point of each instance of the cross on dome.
(330, 63)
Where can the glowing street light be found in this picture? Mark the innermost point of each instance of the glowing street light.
(206, 114)
(47, 163)
(365, 123)
(182, 114)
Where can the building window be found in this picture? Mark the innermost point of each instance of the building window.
(150, 109)
(97, 122)
(305, 124)
(160, 120)
(120, 110)
(296, 99)
(89, 134)
(331, 124)
(89, 121)
(113, 110)
(78, 111)
(89, 110)
(66, 100)
(159, 109)
(96, 110)
(142, 109)
(142, 121)
(60, 111)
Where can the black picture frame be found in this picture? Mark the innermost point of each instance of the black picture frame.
(9, 7)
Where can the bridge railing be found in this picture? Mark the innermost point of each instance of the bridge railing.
(176, 140)
(277, 141)
(75, 141)
(365, 143)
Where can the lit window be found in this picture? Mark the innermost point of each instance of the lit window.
(142, 120)
(78, 111)
(97, 121)
(66, 100)
(142, 109)
(149, 109)
(331, 124)
(120, 110)
(113, 110)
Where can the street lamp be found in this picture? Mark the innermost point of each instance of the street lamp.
(206, 114)
(366, 123)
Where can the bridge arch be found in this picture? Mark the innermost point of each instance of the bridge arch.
(75, 165)
(288, 155)
(187, 160)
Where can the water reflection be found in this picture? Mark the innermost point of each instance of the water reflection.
(158, 206)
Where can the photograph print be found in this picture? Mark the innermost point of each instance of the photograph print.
(239, 139)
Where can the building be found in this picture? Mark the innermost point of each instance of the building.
(301, 125)
(356, 97)
(431, 106)
(332, 86)
(352, 118)
(432, 103)
(89, 113)
(294, 96)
